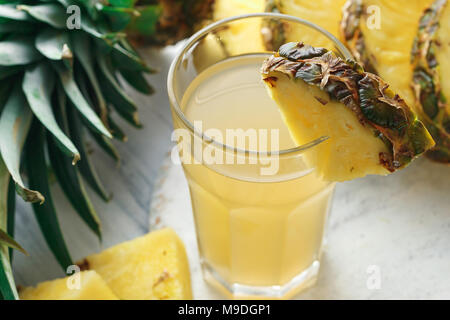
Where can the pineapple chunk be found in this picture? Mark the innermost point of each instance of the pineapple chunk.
(92, 287)
(371, 130)
(151, 267)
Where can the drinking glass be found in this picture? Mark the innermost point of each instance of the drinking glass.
(259, 235)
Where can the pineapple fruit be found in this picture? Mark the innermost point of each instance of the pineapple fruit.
(386, 50)
(151, 267)
(382, 41)
(431, 60)
(91, 287)
(240, 36)
(371, 130)
(324, 13)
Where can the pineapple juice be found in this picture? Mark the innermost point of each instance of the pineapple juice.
(262, 231)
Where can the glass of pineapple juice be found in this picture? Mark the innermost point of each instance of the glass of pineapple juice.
(260, 211)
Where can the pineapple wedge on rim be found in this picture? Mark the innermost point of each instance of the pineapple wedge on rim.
(91, 287)
(152, 267)
(371, 130)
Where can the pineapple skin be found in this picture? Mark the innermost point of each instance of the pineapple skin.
(152, 267)
(430, 60)
(93, 287)
(371, 129)
(386, 50)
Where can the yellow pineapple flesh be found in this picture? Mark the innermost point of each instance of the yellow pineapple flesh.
(90, 287)
(151, 267)
(388, 29)
(324, 13)
(241, 36)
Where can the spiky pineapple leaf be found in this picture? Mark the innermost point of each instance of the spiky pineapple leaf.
(21, 27)
(128, 60)
(15, 123)
(83, 51)
(137, 81)
(50, 13)
(114, 93)
(7, 240)
(19, 50)
(7, 71)
(77, 98)
(68, 175)
(106, 145)
(38, 85)
(45, 214)
(117, 132)
(89, 5)
(119, 17)
(10, 11)
(87, 169)
(11, 219)
(54, 44)
(7, 286)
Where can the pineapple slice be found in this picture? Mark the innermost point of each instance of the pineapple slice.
(241, 36)
(380, 34)
(431, 60)
(371, 130)
(324, 13)
(151, 267)
(92, 287)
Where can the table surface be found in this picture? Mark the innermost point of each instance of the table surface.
(393, 229)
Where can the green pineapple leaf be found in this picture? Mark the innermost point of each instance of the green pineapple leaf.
(10, 226)
(19, 50)
(38, 85)
(86, 167)
(45, 214)
(117, 132)
(68, 175)
(50, 13)
(10, 11)
(7, 71)
(8, 241)
(106, 144)
(54, 44)
(137, 81)
(114, 93)
(15, 123)
(77, 98)
(8, 289)
(83, 50)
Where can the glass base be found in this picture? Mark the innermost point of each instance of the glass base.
(299, 283)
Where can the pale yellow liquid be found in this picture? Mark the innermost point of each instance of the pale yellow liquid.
(252, 232)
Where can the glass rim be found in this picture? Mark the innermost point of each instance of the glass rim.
(190, 42)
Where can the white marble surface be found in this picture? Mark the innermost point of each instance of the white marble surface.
(396, 226)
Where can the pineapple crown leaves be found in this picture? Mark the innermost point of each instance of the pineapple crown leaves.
(427, 81)
(368, 96)
(57, 84)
